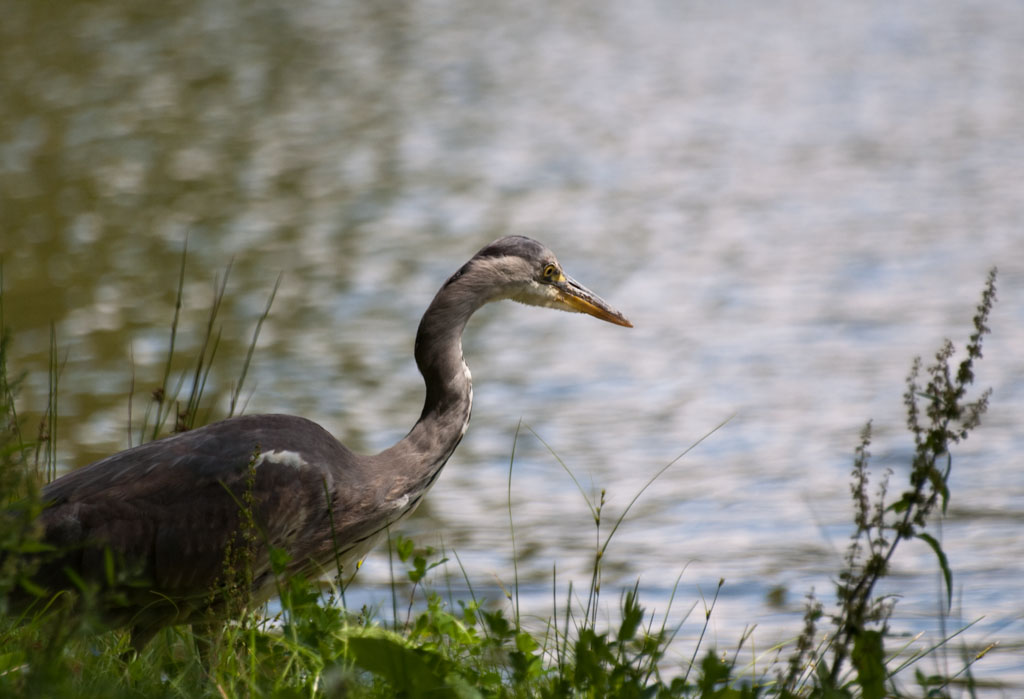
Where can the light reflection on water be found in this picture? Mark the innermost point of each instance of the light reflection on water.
(789, 203)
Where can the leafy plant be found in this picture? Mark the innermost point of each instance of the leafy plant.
(939, 416)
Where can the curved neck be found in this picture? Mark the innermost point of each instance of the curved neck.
(417, 459)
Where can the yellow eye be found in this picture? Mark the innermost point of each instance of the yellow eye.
(550, 272)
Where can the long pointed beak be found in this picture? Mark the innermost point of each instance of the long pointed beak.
(581, 299)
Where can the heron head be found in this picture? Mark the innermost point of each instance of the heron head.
(521, 269)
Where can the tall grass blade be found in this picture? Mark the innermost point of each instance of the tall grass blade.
(704, 629)
(947, 574)
(237, 391)
(512, 529)
(658, 475)
(162, 398)
(586, 498)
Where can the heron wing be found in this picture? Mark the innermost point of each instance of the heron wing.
(175, 511)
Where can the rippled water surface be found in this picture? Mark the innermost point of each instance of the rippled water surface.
(789, 200)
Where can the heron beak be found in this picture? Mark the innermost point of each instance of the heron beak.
(579, 298)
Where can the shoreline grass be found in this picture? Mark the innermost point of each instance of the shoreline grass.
(435, 645)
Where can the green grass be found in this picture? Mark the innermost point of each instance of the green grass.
(433, 645)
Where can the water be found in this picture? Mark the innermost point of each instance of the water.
(789, 201)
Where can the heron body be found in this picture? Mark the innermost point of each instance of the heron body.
(174, 512)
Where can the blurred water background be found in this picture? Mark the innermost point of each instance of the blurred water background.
(790, 200)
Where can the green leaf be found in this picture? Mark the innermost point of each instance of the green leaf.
(713, 673)
(419, 569)
(33, 589)
(279, 559)
(869, 658)
(943, 563)
(902, 504)
(632, 616)
(944, 491)
(32, 546)
(435, 564)
(108, 565)
(404, 548)
(412, 672)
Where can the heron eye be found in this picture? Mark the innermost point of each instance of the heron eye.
(550, 271)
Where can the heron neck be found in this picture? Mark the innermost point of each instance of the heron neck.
(423, 452)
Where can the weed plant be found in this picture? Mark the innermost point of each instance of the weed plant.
(314, 645)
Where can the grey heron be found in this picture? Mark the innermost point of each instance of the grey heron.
(172, 511)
